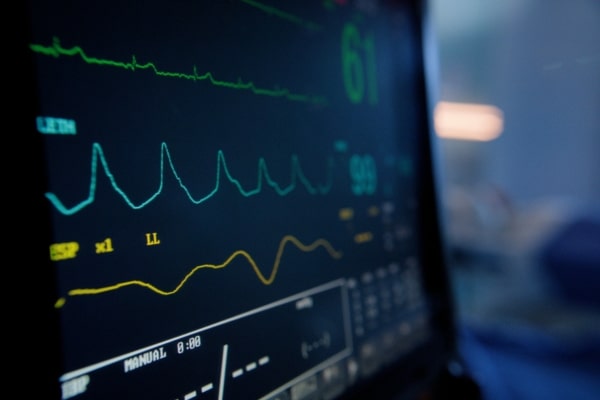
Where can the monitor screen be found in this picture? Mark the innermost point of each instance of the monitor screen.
(237, 198)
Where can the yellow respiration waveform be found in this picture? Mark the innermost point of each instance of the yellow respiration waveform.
(265, 279)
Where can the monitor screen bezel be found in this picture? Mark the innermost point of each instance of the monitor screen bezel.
(406, 377)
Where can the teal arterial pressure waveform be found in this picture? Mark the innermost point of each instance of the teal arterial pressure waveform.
(263, 178)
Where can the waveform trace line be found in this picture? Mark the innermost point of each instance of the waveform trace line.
(56, 50)
(284, 15)
(263, 175)
(264, 279)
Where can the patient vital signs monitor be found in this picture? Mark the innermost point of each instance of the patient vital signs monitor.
(236, 198)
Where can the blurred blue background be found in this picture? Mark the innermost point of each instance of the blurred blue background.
(522, 210)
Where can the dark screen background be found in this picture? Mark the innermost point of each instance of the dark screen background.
(221, 129)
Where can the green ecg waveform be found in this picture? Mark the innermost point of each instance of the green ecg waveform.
(297, 176)
(57, 50)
